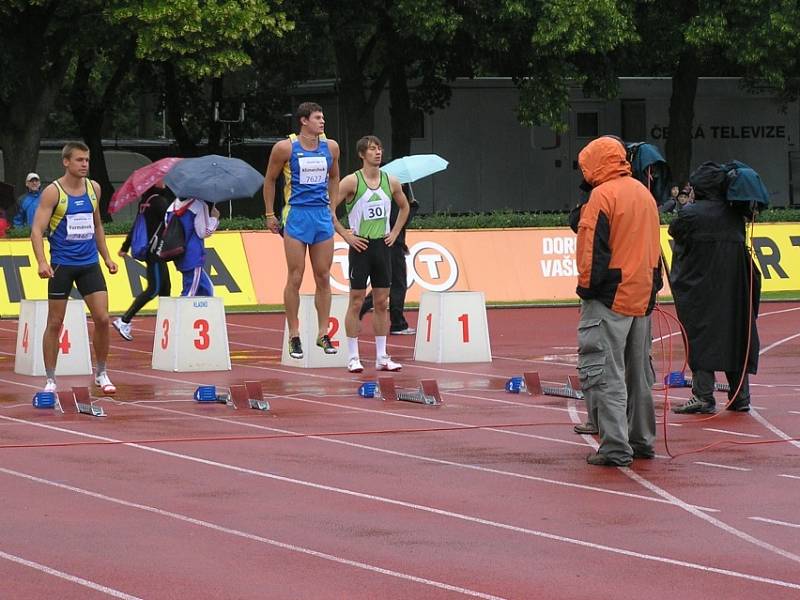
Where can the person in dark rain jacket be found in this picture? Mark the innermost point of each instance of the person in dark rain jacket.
(716, 288)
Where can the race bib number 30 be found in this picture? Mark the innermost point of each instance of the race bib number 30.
(374, 212)
(313, 169)
(80, 227)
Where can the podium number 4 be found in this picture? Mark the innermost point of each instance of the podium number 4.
(63, 341)
(463, 319)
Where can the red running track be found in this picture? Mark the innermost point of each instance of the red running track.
(330, 496)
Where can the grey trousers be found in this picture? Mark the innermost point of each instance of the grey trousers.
(616, 378)
(703, 385)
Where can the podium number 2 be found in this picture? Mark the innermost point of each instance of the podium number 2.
(463, 319)
(203, 341)
(333, 328)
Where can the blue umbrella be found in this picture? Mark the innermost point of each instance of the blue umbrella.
(416, 166)
(214, 178)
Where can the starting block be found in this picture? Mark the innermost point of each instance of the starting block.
(78, 401)
(44, 400)
(676, 379)
(249, 395)
(531, 383)
(384, 388)
(208, 393)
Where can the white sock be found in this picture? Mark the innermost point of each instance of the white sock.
(352, 347)
(380, 345)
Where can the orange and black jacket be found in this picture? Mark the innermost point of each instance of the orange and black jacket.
(618, 233)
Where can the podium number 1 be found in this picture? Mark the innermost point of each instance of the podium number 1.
(464, 319)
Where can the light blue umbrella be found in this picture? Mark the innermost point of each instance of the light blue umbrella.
(414, 167)
(214, 178)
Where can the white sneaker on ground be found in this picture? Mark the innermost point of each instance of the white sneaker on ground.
(385, 363)
(406, 331)
(354, 365)
(123, 328)
(50, 386)
(104, 383)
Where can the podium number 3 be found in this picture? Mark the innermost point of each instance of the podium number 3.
(463, 319)
(202, 341)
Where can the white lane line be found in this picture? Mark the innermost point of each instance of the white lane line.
(66, 576)
(423, 508)
(708, 464)
(688, 507)
(251, 536)
(433, 460)
(750, 435)
(778, 312)
(788, 476)
(774, 522)
(794, 412)
(781, 434)
(778, 343)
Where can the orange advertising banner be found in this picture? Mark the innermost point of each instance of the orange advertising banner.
(508, 265)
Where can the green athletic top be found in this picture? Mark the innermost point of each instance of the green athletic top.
(368, 211)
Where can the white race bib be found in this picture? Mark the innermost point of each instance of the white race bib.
(313, 169)
(80, 227)
(374, 211)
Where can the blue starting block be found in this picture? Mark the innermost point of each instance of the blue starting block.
(44, 400)
(385, 389)
(676, 379)
(208, 393)
(368, 389)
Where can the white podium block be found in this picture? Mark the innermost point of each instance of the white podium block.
(191, 335)
(452, 327)
(74, 357)
(313, 355)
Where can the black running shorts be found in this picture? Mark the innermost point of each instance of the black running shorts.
(87, 278)
(374, 263)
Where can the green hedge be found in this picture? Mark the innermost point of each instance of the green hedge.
(500, 219)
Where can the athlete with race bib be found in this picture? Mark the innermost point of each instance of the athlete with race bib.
(368, 194)
(309, 163)
(69, 208)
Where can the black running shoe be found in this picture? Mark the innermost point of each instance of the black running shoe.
(325, 343)
(696, 406)
(295, 348)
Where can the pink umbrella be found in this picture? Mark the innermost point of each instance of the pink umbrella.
(140, 181)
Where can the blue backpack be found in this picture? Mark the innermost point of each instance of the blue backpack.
(140, 243)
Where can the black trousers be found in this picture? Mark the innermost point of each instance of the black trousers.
(397, 290)
(703, 385)
(158, 284)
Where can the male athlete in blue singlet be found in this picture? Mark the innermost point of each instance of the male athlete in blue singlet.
(69, 208)
(309, 163)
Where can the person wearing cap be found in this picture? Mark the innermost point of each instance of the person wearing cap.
(29, 201)
(619, 272)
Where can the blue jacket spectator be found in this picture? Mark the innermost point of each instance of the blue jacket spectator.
(28, 202)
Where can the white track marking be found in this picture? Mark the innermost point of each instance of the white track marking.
(66, 576)
(728, 432)
(778, 312)
(409, 505)
(789, 476)
(708, 464)
(250, 536)
(774, 522)
(691, 509)
(778, 343)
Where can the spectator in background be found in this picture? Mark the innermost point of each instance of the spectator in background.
(678, 200)
(153, 205)
(397, 293)
(198, 222)
(28, 202)
(4, 225)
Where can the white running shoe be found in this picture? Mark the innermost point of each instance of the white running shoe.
(385, 363)
(123, 328)
(354, 365)
(406, 331)
(50, 386)
(104, 383)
